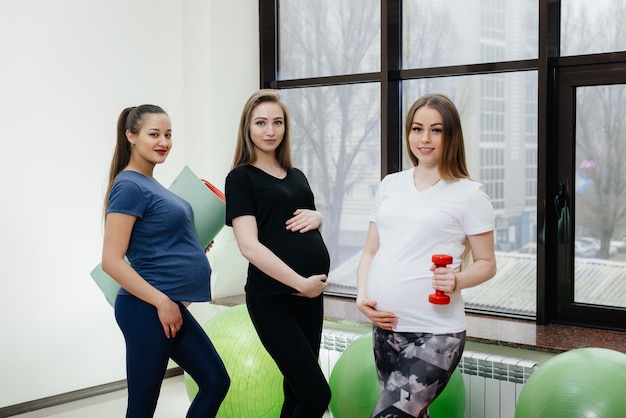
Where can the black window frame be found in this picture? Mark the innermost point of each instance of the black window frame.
(553, 304)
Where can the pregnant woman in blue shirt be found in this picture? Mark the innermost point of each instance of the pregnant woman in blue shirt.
(166, 270)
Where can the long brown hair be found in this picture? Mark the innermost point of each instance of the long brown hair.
(130, 119)
(245, 153)
(453, 165)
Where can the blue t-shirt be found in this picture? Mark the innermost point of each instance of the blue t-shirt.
(163, 247)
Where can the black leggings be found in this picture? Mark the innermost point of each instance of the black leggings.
(290, 328)
(148, 352)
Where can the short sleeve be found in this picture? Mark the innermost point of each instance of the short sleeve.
(478, 217)
(239, 196)
(127, 197)
(378, 198)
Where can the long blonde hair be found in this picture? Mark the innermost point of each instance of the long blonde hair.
(245, 152)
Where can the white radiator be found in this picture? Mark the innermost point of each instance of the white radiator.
(492, 383)
(334, 342)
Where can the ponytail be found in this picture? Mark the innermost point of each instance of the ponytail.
(129, 120)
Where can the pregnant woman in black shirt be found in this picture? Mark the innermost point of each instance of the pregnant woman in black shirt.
(271, 208)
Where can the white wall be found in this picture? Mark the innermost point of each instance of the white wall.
(68, 68)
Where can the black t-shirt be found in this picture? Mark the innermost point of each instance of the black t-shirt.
(272, 201)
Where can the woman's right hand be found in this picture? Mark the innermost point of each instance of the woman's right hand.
(313, 286)
(381, 319)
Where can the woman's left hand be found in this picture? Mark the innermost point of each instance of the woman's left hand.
(443, 279)
(304, 220)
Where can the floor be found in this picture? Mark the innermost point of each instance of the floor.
(173, 403)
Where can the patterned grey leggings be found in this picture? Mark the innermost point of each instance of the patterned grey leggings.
(413, 369)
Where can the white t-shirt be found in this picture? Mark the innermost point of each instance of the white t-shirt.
(412, 226)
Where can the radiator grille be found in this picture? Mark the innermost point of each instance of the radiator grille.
(334, 342)
(493, 383)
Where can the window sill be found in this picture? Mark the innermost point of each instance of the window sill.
(515, 333)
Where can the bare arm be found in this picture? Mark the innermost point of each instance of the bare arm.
(247, 236)
(384, 320)
(117, 231)
(482, 268)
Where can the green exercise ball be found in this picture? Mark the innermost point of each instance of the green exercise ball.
(355, 389)
(353, 381)
(451, 402)
(581, 383)
(256, 388)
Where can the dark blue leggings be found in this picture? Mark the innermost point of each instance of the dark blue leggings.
(148, 352)
(290, 328)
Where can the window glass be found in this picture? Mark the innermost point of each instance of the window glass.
(592, 26)
(455, 32)
(498, 113)
(336, 143)
(328, 37)
(600, 229)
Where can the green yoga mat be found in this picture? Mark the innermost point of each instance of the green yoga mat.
(209, 215)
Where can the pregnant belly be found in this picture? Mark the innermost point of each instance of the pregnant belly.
(393, 295)
(305, 253)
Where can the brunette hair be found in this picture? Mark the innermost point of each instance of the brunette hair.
(245, 152)
(453, 165)
(130, 120)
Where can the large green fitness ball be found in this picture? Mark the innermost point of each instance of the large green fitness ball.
(256, 388)
(451, 402)
(355, 389)
(586, 382)
(353, 381)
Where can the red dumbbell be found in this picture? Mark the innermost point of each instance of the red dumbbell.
(440, 298)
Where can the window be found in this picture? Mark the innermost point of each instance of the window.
(349, 69)
(327, 37)
(592, 248)
(592, 26)
(336, 131)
